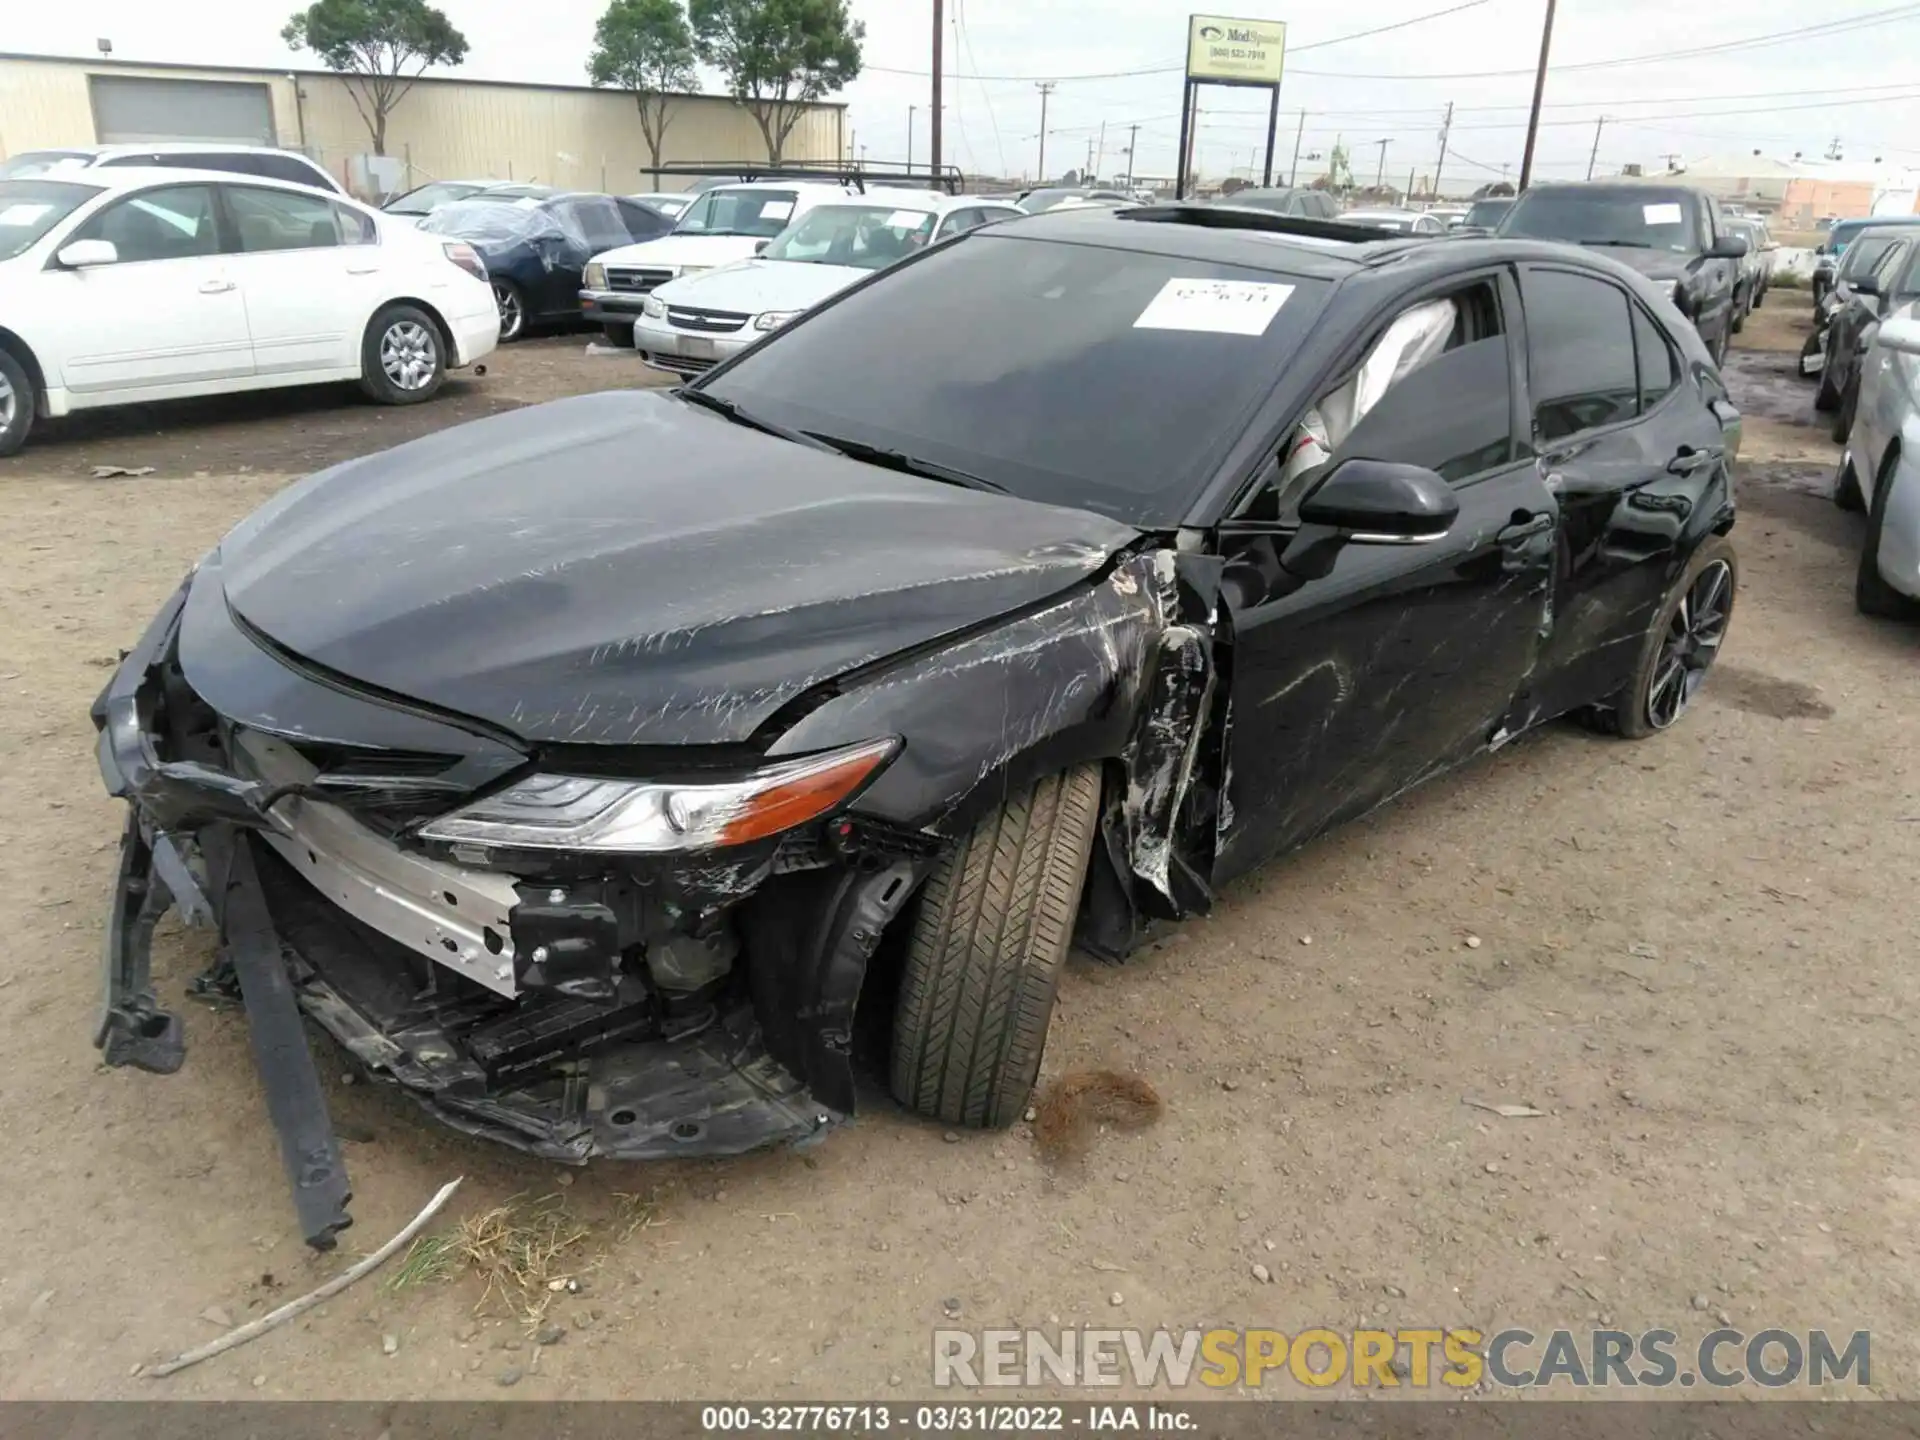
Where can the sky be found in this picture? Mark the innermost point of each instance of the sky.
(1856, 81)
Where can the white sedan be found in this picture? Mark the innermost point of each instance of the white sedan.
(690, 324)
(127, 285)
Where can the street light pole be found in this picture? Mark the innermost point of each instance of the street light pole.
(1539, 90)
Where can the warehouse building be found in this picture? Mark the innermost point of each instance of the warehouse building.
(447, 128)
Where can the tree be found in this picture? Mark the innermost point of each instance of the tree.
(378, 48)
(645, 46)
(778, 56)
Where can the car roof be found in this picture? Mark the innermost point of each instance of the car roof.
(1271, 243)
(115, 179)
(931, 201)
(806, 187)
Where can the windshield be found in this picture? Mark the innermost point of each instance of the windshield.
(429, 197)
(764, 213)
(866, 236)
(30, 208)
(1485, 214)
(1070, 374)
(43, 162)
(1637, 218)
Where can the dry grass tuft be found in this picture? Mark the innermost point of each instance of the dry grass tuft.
(523, 1252)
(1077, 1104)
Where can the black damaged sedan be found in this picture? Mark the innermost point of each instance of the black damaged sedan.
(581, 769)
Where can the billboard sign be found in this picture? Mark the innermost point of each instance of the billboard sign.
(1223, 51)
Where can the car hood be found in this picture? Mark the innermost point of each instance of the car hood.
(676, 250)
(754, 286)
(621, 568)
(1654, 264)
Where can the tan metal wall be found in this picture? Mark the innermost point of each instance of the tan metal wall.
(445, 128)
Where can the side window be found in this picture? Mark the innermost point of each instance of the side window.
(1658, 373)
(958, 222)
(641, 222)
(287, 168)
(266, 220)
(599, 220)
(174, 223)
(355, 227)
(1580, 355)
(1435, 389)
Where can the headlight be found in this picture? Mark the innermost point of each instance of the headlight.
(774, 319)
(575, 812)
(653, 309)
(595, 276)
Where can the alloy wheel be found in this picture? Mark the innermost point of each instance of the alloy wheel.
(1694, 633)
(409, 355)
(511, 315)
(9, 398)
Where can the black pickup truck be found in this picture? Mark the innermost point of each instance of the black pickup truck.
(1673, 234)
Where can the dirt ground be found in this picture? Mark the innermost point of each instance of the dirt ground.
(1690, 952)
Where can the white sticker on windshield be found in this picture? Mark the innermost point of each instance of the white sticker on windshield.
(23, 214)
(1219, 307)
(906, 219)
(1661, 214)
(776, 210)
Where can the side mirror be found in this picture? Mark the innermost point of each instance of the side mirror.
(1901, 333)
(1382, 502)
(1727, 247)
(84, 254)
(760, 246)
(1867, 285)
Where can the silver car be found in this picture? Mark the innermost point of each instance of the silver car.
(1880, 467)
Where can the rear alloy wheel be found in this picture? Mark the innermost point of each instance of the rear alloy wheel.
(1680, 647)
(1872, 595)
(402, 359)
(16, 403)
(513, 309)
(991, 928)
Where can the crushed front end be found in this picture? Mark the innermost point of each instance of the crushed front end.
(420, 887)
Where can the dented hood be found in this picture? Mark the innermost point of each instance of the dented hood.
(622, 569)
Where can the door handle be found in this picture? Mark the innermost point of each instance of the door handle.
(368, 269)
(1689, 459)
(215, 287)
(1526, 524)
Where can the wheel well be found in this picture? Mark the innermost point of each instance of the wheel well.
(439, 322)
(22, 352)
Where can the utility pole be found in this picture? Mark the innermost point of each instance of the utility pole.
(939, 24)
(1594, 154)
(1380, 178)
(1410, 170)
(1089, 166)
(1133, 138)
(910, 113)
(1446, 128)
(1539, 90)
(1045, 87)
(1100, 155)
(1293, 175)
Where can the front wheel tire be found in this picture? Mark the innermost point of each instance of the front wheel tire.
(513, 310)
(991, 930)
(1872, 595)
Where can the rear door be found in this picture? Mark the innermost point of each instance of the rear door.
(167, 313)
(1405, 658)
(308, 293)
(1627, 449)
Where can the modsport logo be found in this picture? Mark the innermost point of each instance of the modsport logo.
(1212, 32)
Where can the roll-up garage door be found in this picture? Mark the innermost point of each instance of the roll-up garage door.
(130, 109)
